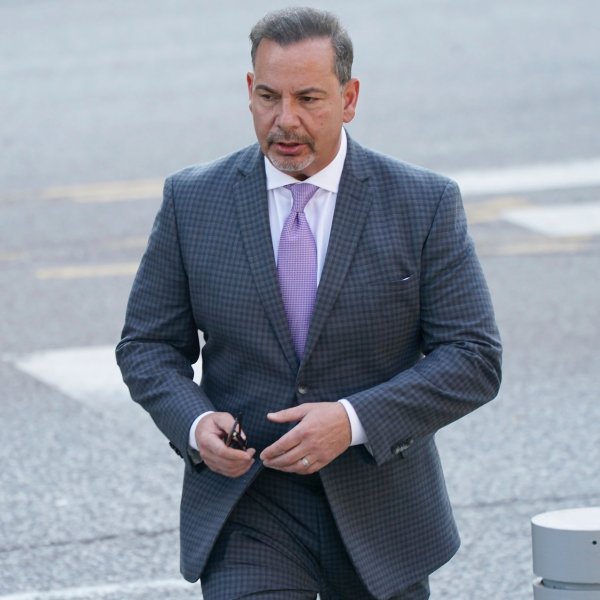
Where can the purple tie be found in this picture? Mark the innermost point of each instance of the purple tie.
(297, 266)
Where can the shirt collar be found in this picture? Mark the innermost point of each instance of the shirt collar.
(327, 178)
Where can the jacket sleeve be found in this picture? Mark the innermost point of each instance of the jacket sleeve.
(460, 344)
(160, 342)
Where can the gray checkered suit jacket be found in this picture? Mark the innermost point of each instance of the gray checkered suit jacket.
(403, 328)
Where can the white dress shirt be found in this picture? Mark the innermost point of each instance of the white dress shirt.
(319, 214)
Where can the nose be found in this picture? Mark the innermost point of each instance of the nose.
(287, 116)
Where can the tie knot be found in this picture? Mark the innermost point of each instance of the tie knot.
(301, 193)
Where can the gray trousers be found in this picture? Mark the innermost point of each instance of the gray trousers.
(281, 543)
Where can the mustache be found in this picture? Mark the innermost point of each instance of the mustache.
(277, 137)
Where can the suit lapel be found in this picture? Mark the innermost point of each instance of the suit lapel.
(253, 218)
(351, 209)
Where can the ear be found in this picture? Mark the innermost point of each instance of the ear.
(250, 84)
(350, 98)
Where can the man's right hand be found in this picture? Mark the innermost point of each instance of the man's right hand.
(210, 433)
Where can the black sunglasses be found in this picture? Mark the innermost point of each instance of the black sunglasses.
(236, 438)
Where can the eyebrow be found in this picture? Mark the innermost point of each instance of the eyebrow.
(303, 92)
(310, 90)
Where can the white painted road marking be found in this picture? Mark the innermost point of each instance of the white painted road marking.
(501, 180)
(563, 220)
(529, 178)
(88, 374)
(533, 247)
(80, 373)
(99, 591)
(88, 271)
(112, 191)
(492, 209)
(576, 220)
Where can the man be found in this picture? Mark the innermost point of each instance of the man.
(343, 325)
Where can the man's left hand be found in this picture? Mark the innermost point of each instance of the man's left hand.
(323, 432)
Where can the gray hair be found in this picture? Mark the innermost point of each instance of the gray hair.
(292, 25)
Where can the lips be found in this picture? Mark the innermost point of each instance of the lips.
(288, 147)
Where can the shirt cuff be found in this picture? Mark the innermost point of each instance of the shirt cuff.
(192, 435)
(358, 433)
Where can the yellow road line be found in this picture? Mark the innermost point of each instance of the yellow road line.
(129, 269)
(87, 271)
(126, 243)
(534, 247)
(116, 191)
(12, 256)
(493, 209)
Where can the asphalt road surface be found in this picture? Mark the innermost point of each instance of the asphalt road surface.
(101, 99)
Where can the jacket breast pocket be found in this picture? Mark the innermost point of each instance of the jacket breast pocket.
(382, 296)
(374, 324)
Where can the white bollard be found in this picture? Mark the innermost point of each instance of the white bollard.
(566, 554)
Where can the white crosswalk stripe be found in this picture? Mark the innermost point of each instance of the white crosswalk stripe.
(562, 220)
(101, 591)
(88, 374)
(528, 178)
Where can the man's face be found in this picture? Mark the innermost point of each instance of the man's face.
(298, 105)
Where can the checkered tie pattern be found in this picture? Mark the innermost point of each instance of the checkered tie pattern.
(297, 265)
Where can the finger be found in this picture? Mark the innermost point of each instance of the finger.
(299, 467)
(213, 425)
(296, 413)
(210, 433)
(230, 462)
(284, 444)
(288, 460)
(237, 470)
(307, 465)
(219, 451)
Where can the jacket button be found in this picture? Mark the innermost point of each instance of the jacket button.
(302, 389)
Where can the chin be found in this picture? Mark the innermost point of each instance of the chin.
(290, 165)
